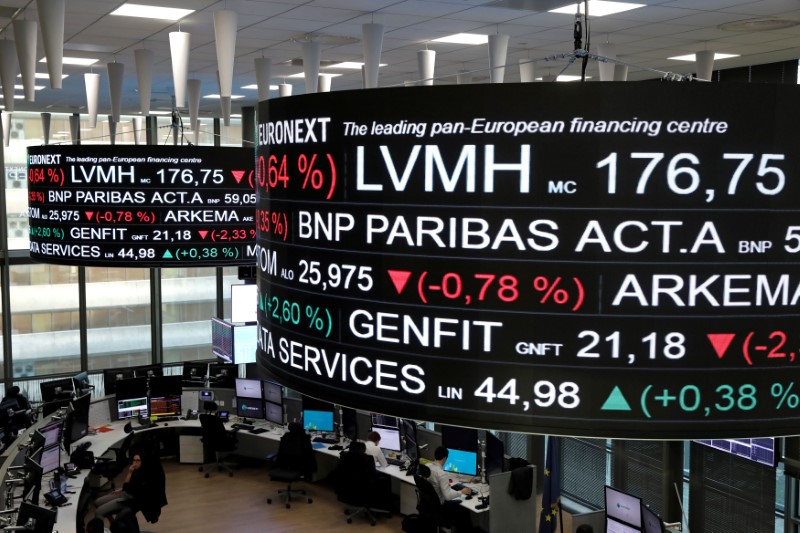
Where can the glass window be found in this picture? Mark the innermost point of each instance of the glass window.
(45, 337)
(118, 317)
(189, 298)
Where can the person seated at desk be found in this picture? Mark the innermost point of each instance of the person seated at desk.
(144, 490)
(14, 393)
(441, 480)
(374, 449)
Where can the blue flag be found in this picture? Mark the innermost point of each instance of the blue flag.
(551, 494)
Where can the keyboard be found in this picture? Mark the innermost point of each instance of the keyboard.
(459, 486)
(325, 440)
(395, 462)
(239, 425)
(258, 431)
(167, 418)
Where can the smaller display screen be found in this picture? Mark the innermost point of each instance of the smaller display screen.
(318, 420)
(222, 340)
(52, 434)
(245, 344)
(250, 407)
(165, 406)
(461, 462)
(651, 522)
(273, 392)
(385, 421)
(759, 450)
(248, 388)
(51, 458)
(274, 413)
(623, 507)
(613, 526)
(131, 408)
(244, 303)
(390, 438)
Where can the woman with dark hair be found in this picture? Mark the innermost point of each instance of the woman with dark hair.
(144, 489)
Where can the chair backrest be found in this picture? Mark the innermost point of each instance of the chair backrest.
(295, 453)
(122, 453)
(428, 503)
(214, 432)
(355, 478)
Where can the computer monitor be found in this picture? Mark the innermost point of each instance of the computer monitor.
(51, 407)
(222, 340)
(390, 438)
(317, 420)
(274, 413)
(166, 386)
(651, 522)
(148, 371)
(385, 421)
(458, 438)
(349, 423)
(294, 409)
(273, 392)
(32, 476)
(167, 405)
(51, 459)
(80, 383)
(132, 408)
(51, 433)
(76, 425)
(495, 455)
(223, 375)
(248, 388)
(245, 343)
(244, 303)
(623, 507)
(614, 526)
(36, 519)
(195, 373)
(461, 462)
(112, 375)
(250, 407)
(411, 448)
(131, 388)
(57, 389)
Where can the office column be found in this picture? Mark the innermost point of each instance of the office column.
(248, 127)
(6, 298)
(83, 321)
(156, 315)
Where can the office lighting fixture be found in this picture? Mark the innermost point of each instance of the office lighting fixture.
(78, 61)
(692, 57)
(372, 39)
(598, 8)
(151, 12)
(463, 38)
(144, 77)
(51, 20)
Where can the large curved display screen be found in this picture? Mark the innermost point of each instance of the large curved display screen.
(609, 260)
(141, 206)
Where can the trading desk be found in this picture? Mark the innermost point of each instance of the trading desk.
(250, 445)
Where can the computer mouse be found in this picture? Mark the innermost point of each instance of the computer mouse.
(468, 497)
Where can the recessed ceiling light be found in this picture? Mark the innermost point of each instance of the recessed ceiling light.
(691, 57)
(351, 65)
(765, 24)
(151, 12)
(35, 87)
(464, 38)
(254, 87)
(598, 8)
(160, 112)
(80, 61)
(216, 96)
(303, 75)
(44, 76)
(566, 77)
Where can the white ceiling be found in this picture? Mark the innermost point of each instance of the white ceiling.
(644, 38)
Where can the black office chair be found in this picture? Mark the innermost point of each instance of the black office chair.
(294, 462)
(219, 440)
(115, 459)
(357, 485)
(429, 507)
